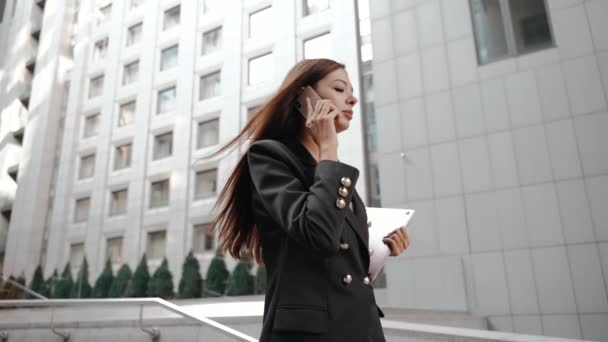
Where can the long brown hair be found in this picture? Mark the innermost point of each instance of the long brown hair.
(276, 119)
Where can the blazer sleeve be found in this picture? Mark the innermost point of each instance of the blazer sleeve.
(311, 215)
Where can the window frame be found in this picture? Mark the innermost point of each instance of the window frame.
(507, 20)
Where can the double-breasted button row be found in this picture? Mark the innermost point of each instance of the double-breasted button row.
(343, 192)
(347, 279)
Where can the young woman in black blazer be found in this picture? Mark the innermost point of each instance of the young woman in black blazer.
(292, 205)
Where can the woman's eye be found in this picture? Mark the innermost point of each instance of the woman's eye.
(339, 90)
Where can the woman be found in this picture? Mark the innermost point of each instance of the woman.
(292, 205)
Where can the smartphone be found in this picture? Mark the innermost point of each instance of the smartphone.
(307, 91)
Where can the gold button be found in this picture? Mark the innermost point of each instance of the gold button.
(346, 182)
(343, 191)
(340, 203)
(369, 224)
(366, 281)
(344, 246)
(371, 252)
(347, 279)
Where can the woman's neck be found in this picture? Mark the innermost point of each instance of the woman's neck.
(311, 146)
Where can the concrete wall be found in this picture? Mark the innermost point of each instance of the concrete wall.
(504, 163)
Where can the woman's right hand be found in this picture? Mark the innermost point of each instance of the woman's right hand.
(320, 122)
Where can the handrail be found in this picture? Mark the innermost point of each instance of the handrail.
(24, 288)
(122, 301)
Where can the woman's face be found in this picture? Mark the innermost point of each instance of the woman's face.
(336, 87)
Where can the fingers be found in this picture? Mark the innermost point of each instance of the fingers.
(397, 241)
(309, 111)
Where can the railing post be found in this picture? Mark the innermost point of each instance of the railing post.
(63, 334)
(154, 332)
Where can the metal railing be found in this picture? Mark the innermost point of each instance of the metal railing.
(154, 332)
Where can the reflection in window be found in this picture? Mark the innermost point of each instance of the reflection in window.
(114, 250)
(163, 145)
(171, 17)
(155, 248)
(210, 86)
(260, 24)
(168, 57)
(76, 256)
(203, 240)
(210, 6)
(91, 125)
(166, 100)
(118, 203)
(261, 69)
(104, 14)
(96, 86)
(159, 194)
(314, 6)
(134, 34)
(126, 113)
(122, 156)
(318, 47)
(130, 73)
(101, 50)
(528, 28)
(208, 133)
(87, 166)
(212, 40)
(205, 184)
(81, 212)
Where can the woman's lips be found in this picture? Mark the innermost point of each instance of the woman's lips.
(349, 115)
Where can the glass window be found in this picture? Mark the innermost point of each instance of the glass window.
(318, 47)
(87, 166)
(122, 156)
(210, 86)
(91, 125)
(136, 3)
(489, 30)
(134, 34)
(81, 212)
(203, 239)
(76, 255)
(114, 250)
(208, 133)
(101, 50)
(261, 69)
(212, 40)
(260, 24)
(166, 100)
(104, 14)
(130, 73)
(2, 7)
(168, 58)
(159, 194)
(530, 25)
(126, 113)
(171, 17)
(118, 203)
(314, 6)
(498, 22)
(96, 86)
(155, 248)
(252, 110)
(163, 145)
(212, 6)
(205, 184)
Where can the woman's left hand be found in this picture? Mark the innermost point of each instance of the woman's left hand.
(397, 241)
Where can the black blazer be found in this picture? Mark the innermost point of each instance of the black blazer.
(314, 246)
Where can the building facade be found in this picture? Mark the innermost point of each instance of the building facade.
(491, 123)
(128, 99)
